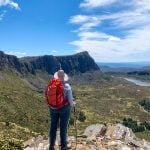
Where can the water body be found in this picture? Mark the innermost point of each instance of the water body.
(138, 82)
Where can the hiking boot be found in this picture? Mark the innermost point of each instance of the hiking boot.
(51, 148)
(65, 148)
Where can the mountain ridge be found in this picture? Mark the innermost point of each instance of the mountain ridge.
(77, 63)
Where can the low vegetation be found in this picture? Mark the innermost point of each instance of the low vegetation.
(12, 136)
(21, 104)
(145, 104)
(102, 99)
(136, 126)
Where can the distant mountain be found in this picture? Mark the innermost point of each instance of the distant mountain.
(146, 67)
(140, 73)
(125, 65)
(78, 63)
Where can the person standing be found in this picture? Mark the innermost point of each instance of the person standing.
(60, 100)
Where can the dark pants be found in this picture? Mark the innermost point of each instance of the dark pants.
(59, 116)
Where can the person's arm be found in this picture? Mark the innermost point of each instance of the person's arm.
(70, 96)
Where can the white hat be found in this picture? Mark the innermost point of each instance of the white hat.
(60, 74)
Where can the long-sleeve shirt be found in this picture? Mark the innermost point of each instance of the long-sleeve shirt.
(68, 94)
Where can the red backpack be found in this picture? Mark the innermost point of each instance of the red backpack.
(55, 94)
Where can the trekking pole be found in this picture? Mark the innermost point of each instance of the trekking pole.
(75, 125)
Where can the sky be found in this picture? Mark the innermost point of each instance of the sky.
(110, 30)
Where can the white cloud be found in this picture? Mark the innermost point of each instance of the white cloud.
(78, 19)
(2, 15)
(87, 35)
(96, 3)
(89, 25)
(142, 5)
(18, 54)
(86, 22)
(110, 48)
(122, 19)
(132, 21)
(10, 3)
(14, 5)
(54, 51)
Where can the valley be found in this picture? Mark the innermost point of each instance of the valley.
(100, 98)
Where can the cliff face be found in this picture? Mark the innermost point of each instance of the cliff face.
(9, 61)
(81, 62)
(78, 63)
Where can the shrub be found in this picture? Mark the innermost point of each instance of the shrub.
(71, 121)
(129, 122)
(9, 144)
(81, 116)
(145, 104)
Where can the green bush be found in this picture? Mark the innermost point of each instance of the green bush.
(9, 144)
(145, 104)
(81, 116)
(71, 121)
(129, 122)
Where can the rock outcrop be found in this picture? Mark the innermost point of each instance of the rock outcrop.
(78, 63)
(96, 137)
(10, 61)
(72, 64)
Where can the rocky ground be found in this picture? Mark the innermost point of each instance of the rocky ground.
(96, 137)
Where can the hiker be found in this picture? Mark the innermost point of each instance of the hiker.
(60, 100)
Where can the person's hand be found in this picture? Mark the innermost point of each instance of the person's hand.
(74, 103)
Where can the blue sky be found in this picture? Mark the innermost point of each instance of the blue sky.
(110, 30)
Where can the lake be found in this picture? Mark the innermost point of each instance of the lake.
(138, 82)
